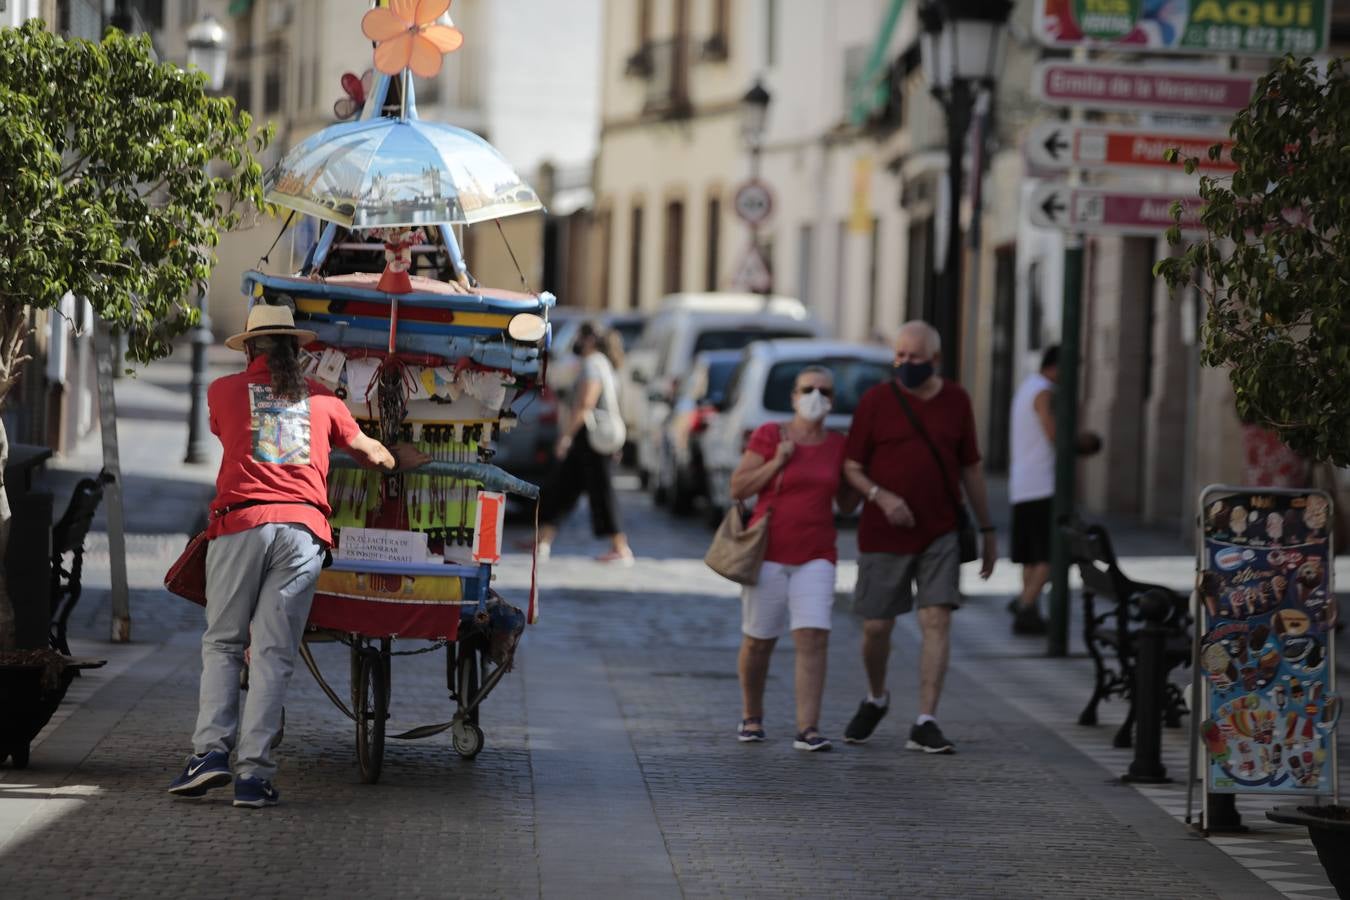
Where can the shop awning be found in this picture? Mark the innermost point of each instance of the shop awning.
(870, 91)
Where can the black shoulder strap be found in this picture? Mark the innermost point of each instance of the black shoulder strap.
(932, 448)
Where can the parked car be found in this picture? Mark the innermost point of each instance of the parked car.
(683, 326)
(680, 478)
(563, 364)
(526, 451)
(761, 391)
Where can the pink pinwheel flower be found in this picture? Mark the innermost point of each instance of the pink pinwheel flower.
(406, 36)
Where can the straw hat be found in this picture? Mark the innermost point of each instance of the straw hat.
(265, 319)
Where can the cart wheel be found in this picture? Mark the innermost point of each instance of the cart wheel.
(467, 739)
(468, 682)
(372, 709)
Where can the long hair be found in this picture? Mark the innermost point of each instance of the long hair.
(607, 341)
(283, 361)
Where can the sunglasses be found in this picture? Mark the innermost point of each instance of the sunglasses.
(811, 389)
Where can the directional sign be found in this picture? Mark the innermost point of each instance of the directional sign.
(1055, 204)
(1056, 145)
(754, 202)
(753, 273)
(1140, 89)
(1265, 28)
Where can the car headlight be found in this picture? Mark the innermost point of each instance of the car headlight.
(526, 327)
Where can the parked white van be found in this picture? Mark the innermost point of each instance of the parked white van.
(685, 325)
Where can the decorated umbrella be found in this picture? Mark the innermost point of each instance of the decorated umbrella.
(400, 172)
(385, 172)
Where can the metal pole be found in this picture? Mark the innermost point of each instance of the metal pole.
(1150, 691)
(198, 428)
(1066, 427)
(947, 311)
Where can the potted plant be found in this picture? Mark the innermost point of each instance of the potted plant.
(104, 156)
(1275, 261)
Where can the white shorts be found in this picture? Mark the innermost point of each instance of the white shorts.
(802, 596)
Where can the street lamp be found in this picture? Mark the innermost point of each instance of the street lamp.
(962, 45)
(754, 122)
(208, 46)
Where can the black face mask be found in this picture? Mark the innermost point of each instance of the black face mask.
(912, 374)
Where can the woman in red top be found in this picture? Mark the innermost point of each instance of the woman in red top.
(795, 469)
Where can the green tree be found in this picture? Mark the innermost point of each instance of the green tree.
(1275, 263)
(104, 193)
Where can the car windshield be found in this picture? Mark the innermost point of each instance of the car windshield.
(629, 332)
(719, 373)
(852, 378)
(735, 340)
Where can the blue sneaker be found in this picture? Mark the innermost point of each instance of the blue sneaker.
(202, 773)
(254, 792)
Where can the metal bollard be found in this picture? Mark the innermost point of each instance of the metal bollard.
(1150, 690)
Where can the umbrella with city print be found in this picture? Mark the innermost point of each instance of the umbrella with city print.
(396, 171)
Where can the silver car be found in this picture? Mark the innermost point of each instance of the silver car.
(761, 391)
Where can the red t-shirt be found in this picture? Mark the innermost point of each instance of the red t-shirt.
(274, 450)
(802, 526)
(896, 457)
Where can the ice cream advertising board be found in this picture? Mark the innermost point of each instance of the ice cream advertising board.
(1266, 648)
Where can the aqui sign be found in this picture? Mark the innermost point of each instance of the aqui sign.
(1258, 27)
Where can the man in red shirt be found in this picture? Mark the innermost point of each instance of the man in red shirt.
(908, 531)
(268, 531)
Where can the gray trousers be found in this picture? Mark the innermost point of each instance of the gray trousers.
(259, 587)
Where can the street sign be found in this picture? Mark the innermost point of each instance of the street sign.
(753, 275)
(1265, 28)
(1056, 204)
(1140, 89)
(1059, 145)
(754, 202)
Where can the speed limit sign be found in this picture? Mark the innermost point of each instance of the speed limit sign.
(754, 202)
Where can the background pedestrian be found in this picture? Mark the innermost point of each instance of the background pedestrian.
(581, 466)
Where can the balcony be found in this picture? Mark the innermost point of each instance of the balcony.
(667, 77)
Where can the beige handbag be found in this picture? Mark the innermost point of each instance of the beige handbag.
(737, 552)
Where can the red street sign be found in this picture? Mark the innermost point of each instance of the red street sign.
(1055, 204)
(1140, 89)
(1059, 145)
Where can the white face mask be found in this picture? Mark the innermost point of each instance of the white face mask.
(812, 407)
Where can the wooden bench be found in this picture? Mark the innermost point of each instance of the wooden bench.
(1110, 629)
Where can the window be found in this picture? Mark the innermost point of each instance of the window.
(272, 92)
(740, 337)
(606, 228)
(920, 269)
(712, 263)
(806, 236)
(852, 379)
(770, 32)
(1035, 307)
(635, 260)
(718, 45)
(674, 247)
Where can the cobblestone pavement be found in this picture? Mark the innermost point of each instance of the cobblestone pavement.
(610, 768)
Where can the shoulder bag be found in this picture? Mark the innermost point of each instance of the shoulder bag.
(967, 534)
(737, 551)
(187, 576)
(605, 431)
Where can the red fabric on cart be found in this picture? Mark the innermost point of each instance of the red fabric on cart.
(383, 619)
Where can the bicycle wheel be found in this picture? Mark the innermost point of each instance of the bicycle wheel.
(372, 700)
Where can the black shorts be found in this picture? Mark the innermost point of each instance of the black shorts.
(1031, 523)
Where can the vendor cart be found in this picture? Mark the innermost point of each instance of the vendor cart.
(419, 352)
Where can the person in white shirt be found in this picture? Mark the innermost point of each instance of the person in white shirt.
(1031, 487)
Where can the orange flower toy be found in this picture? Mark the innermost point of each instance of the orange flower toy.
(406, 36)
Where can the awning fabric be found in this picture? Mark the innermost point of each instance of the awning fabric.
(869, 93)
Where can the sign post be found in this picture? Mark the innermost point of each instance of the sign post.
(1060, 145)
(1064, 83)
(1057, 204)
(1268, 28)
